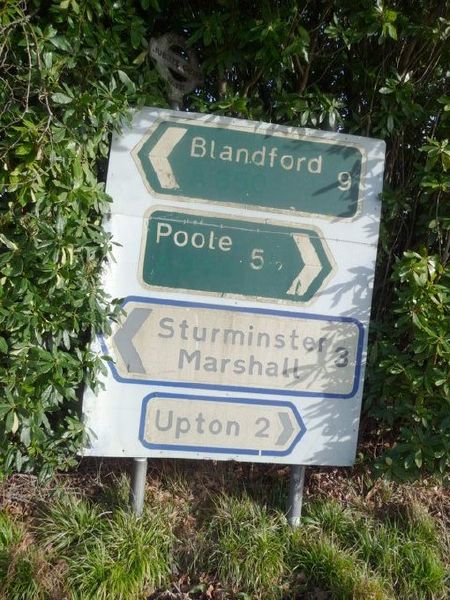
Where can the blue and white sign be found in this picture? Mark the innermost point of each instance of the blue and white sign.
(220, 425)
(237, 349)
(218, 375)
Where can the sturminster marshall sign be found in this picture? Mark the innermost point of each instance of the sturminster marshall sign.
(244, 259)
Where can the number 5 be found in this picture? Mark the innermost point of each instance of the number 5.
(257, 259)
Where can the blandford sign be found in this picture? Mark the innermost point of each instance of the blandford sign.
(233, 165)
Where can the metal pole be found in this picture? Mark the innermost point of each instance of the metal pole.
(297, 474)
(295, 499)
(137, 491)
(138, 477)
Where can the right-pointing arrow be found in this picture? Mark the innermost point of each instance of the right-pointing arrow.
(159, 155)
(123, 339)
(312, 267)
(287, 431)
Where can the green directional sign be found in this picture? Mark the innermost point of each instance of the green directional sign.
(253, 167)
(196, 252)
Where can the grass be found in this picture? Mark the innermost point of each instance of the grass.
(340, 573)
(20, 562)
(69, 522)
(245, 545)
(134, 553)
(108, 554)
(79, 549)
(404, 550)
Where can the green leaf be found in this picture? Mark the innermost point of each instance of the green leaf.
(390, 123)
(392, 31)
(25, 435)
(12, 422)
(60, 98)
(418, 458)
(23, 150)
(4, 409)
(48, 59)
(140, 57)
(124, 78)
(3, 345)
(8, 243)
(62, 43)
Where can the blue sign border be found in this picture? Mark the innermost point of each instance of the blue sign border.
(187, 448)
(234, 388)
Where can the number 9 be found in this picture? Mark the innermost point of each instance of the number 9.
(345, 180)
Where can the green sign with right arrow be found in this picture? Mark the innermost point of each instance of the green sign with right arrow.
(189, 251)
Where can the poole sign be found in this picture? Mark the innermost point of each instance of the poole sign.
(199, 252)
(244, 258)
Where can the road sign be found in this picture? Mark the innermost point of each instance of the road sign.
(193, 251)
(205, 346)
(244, 256)
(252, 167)
(174, 422)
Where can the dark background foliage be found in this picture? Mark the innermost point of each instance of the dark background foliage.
(69, 73)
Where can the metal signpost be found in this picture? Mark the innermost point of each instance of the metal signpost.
(178, 65)
(245, 261)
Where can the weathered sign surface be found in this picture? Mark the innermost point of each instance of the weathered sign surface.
(193, 424)
(242, 349)
(244, 257)
(197, 252)
(233, 165)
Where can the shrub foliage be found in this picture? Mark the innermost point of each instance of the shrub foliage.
(71, 69)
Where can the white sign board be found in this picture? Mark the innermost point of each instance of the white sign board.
(245, 258)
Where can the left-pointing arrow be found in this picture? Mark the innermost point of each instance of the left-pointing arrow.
(159, 155)
(123, 339)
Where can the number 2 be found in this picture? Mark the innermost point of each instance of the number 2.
(265, 426)
(342, 359)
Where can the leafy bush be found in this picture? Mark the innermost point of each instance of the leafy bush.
(413, 384)
(64, 89)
